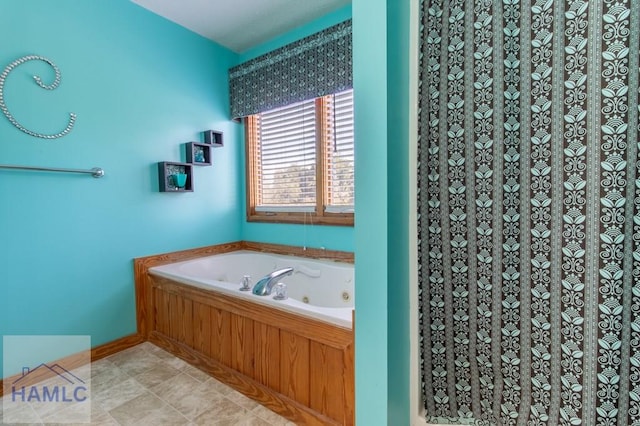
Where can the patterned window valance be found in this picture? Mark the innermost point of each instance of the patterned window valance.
(314, 66)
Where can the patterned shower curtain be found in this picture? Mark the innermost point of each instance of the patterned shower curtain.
(529, 211)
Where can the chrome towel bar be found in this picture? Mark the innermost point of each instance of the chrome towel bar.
(96, 172)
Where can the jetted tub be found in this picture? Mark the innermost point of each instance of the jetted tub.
(319, 289)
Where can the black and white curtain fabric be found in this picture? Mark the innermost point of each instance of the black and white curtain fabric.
(317, 65)
(529, 212)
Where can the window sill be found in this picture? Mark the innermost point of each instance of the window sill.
(345, 219)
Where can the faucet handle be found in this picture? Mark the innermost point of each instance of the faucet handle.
(281, 291)
(246, 283)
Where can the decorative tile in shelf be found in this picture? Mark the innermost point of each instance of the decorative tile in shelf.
(198, 154)
(168, 179)
(213, 138)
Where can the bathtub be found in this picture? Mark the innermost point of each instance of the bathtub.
(318, 289)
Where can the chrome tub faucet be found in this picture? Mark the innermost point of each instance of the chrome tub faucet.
(264, 286)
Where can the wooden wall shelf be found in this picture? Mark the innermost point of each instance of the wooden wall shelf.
(198, 154)
(213, 138)
(166, 170)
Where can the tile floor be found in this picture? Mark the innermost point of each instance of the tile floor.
(145, 385)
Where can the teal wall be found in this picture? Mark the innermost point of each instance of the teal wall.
(329, 237)
(381, 82)
(141, 87)
(399, 240)
(326, 21)
(371, 237)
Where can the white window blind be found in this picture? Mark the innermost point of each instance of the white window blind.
(287, 151)
(292, 143)
(340, 153)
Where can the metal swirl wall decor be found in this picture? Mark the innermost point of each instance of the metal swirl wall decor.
(39, 82)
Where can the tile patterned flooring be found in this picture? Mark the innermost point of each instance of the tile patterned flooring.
(145, 385)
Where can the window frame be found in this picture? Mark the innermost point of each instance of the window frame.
(319, 216)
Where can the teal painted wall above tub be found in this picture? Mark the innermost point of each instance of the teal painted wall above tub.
(382, 197)
(141, 87)
(317, 25)
(371, 237)
(399, 160)
(310, 235)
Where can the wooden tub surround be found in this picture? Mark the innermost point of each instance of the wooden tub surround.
(299, 367)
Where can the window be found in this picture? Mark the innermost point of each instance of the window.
(300, 162)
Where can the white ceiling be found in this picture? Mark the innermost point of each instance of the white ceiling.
(241, 24)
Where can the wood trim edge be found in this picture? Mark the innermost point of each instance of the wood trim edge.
(78, 359)
(115, 346)
(314, 253)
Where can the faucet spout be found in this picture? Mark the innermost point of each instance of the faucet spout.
(264, 286)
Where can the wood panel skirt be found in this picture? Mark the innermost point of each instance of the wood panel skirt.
(299, 367)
